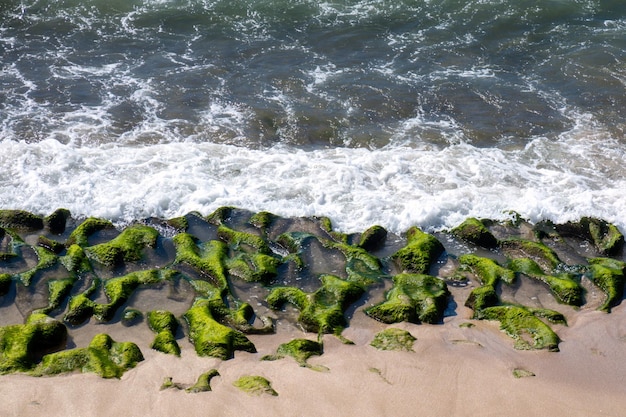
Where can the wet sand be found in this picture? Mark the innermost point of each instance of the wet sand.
(453, 371)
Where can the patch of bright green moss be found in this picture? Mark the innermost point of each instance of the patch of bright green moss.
(126, 247)
(474, 231)
(565, 289)
(20, 219)
(323, 310)
(420, 252)
(208, 258)
(414, 298)
(23, 345)
(608, 274)
(393, 339)
(262, 219)
(299, 349)
(81, 234)
(165, 325)
(524, 327)
(487, 270)
(103, 356)
(75, 260)
(211, 338)
(255, 385)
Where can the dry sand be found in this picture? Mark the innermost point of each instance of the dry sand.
(454, 371)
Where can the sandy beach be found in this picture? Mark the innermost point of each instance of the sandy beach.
(453, 371)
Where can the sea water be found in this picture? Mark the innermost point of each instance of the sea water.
(396, 113)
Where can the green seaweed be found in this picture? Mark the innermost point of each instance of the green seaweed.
(323, 310)
(75, 260)
(608, 274)
(238, 240)
(23, 345)
(489, 273)
(45, 259)
(208, 258)
(255, 267)
(300, 350)
(89, 226)
(474, 231)
(103, 356)
(20, 220)
(413, 298)
(523, 326)
(255, 385)
(262, 219)
(211, 338)
(565, 289)
(538, 252)
(393, 339)
(420, 252)
(606, 237)
(58, 290)
(126, 247)
(203, 384)
(165, 325)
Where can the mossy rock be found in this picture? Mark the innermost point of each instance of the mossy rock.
(103, 356)
(80, 235)
(538, 252)
(524, 327)
(256, 267)
(23, 345)
(420, 252)
(482, 297)
(474, 231)
(57, 221)
(243, 240)
(211, 338)
(373, 238)
(355, 255)
(178, 223)
(75, 260)
(605, 236)
(131, 316)
(299, 349)
(608, 274)
(255, 385)
(59, 290)
(487, 270)
(262, 219)
(323, 310)
(51, 245)
(126, 247)
(220, 215)
(394, 339)
(413, 298)
(565, 289)
(5, 283)
(203, 384)
(209, 258)
(20, 220)
(45, 259)
(165, 325)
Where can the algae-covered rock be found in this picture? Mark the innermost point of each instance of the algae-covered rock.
(489, 273)
(81, 234)
(608, 274)
(373, 238)
(565, 289)
(238, 240)
(23, 345)
(538, 252)
(5, 283)
(103, 356)
(208, 258)
(323, 310)
(58, 290)
(299, 349)
(606, 237)
(211, 338)
(131, 316)
(393, 339)
(524, 327)
(57, 221)
(165, 325)
(126, 247)
(255, 385)
(420, 252)
(51, 245)
(75, 260)
(20, 219)
(474, 231)
(203, 384)
(413, 298)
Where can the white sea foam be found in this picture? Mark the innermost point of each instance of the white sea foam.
(396, 187)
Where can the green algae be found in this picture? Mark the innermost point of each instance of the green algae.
(262, 219)
(180, 224)
(50, 244)
(131, 316)
(520, 323)
(20, 220)
(211, 338)
(57, 221)
(323, 310)
(238, 240)
(565, 289)
(420, 252)
(474, 231)
(255, 385)
(126, 247)
(299, 349)
(413, 298)
(606, 237)
(209, 258)
(59, 290)
(203, 384)
(255, 267)
(75, 260)
(373, 238)
(609, 275)
(23, 345)
(490, 273)
(88, 227)
(538, 252)
(45, 259)
(522, 373)
(165, 325)
(394, 339)
(103, 356)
